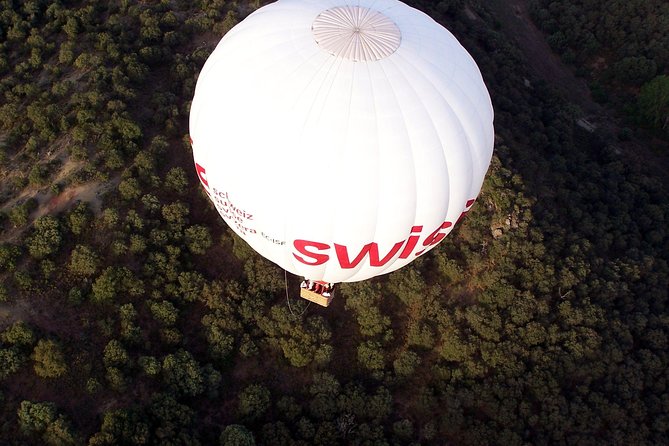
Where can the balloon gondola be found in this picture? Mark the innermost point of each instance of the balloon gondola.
(341, 139)
(317, 291)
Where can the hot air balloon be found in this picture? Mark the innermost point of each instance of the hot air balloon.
(341, 139)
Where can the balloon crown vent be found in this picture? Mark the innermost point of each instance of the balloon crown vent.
(356, 33)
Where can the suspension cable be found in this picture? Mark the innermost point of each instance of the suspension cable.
(285, 281)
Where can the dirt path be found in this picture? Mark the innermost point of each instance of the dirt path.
(516, 23)
(48, 203)
(514, 15)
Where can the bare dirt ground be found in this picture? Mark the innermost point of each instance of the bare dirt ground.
(11, 312)
(50, 203)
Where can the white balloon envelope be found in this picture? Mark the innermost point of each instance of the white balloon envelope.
(341, 140)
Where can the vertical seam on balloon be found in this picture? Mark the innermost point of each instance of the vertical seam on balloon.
(470, 147)
(476, 81)
(326, 60)
(434, 127)
(306, 61)
(338, 62)
(355, 67)
(378, 157)
(391, 62)
(288, 251)
(475, 151)
(473, 162)
(339, 155)
(479, 123)
(332, 62)
(383, 269)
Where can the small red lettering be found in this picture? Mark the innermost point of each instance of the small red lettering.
(202, 174)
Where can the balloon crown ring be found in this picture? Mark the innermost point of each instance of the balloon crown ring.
(356, 33)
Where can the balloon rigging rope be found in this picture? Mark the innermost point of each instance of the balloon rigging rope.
(285, 281)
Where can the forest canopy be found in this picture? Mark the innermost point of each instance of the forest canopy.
(624, 44)
(130, 314)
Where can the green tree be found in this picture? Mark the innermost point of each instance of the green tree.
(106, 286)
(110, 218)
(236, 435)
(301, 343)
(150, 366)
(9, 254)
(653, 103)
(38, 174)
(35, 417)
(130, 189)
(406, 363)
(18, 334)
(114, 280)
(176, 180)
(254, 401)
(144, 163)
(49, 359)
(48, 267)
(171, 420)
(121, 426)
(183, 374)
(403, 429)
(116, 378)
(71, 27)
(60, 433)
(221, 343)
(137, 244)
(10, 362)
(18, 215)
(42, 419)
(151, 203)
(115, 354)
(4, 294)
(191, 284)
(80, 218)
(46, 238)
(130, 332)
(164, 312)
(198, 239)
(635, 70)
(175, 213)
(370, 355)
(83, 261)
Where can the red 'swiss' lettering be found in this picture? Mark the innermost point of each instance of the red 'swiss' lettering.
(435, 237)
(411, 242)
(316, 258)
(316, 253)
(468, 206)
(370, 248)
